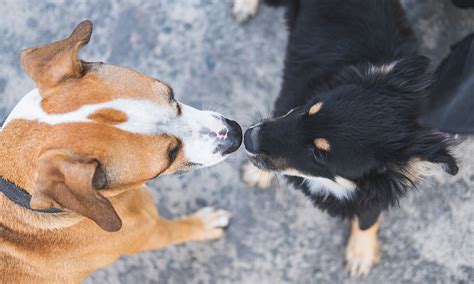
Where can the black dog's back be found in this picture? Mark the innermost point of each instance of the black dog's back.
(326, 35)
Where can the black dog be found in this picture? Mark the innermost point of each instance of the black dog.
(346, 125)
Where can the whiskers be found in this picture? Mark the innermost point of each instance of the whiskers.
(215, 107)
(282, 191)
(260, 116)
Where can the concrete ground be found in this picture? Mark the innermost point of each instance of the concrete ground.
(214, 63)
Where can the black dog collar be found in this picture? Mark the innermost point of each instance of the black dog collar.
(20, 197)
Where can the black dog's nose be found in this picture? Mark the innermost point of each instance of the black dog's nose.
(234, 136)
(251, 140)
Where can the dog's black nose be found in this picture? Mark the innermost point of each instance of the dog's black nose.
(234, 136)
(251, 140)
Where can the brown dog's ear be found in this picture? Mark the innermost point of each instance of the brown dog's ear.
(50, 64)
(65, 181)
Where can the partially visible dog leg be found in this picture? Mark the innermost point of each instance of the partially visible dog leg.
(205, 224)
(362, 250)
(254, 176)
(208, 223)
(244, 9)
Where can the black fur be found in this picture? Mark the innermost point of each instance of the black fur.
(451, 97)
(360, 59)
(464, 3)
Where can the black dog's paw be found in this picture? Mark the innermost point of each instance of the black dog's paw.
(243, 10)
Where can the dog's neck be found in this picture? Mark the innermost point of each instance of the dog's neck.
(19, 150)
(21, 142)
(20, 197)
(17, 170)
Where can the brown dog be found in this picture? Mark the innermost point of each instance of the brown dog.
(81, 147)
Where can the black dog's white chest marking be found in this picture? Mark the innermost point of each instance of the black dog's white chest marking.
(340, 188)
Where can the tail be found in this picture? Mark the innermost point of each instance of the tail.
(451, 106)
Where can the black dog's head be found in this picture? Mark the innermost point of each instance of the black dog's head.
(362, 124)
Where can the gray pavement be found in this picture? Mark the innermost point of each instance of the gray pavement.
(214, 63)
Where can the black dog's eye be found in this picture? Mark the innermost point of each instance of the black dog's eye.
(173, 153)
(320, 155)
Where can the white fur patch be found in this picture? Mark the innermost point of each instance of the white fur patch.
(340, 188)
(382, 69)
(200, 131)
(142, 115)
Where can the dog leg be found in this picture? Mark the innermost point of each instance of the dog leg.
(254, 176)
(205, 224)
(362, 250)
(244, 9)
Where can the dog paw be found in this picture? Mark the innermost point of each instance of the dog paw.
(244, 9)
(362, 253)
(254, 176)
(213, 222)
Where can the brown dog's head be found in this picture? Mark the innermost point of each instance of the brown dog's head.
(93, 129)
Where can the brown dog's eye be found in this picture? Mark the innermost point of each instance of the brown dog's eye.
(173, 153)
(99, 180)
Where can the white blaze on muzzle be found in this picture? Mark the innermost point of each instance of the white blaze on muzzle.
(201, 132)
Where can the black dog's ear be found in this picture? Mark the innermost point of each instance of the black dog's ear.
(411, 74)
(403, 76)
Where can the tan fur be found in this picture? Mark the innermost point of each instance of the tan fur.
(102, 83)
(67, 255)
(417, 169)
(93, 171)
(322, 144)
(254, 176)
(51, 64)
(315, 108)
(363, 250)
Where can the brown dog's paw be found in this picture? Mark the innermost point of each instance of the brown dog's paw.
(362, 252)
(254, 176)
(213, 222)
(243, 10)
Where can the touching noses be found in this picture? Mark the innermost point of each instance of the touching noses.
(234, 137)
